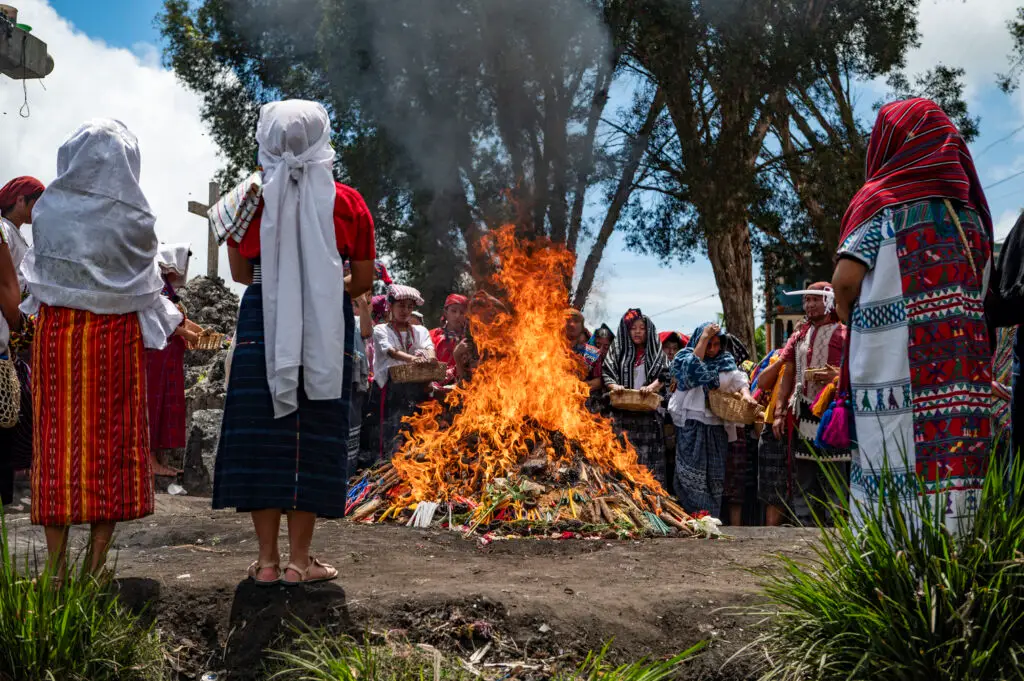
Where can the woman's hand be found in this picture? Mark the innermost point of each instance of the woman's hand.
(779, 426)
(710, 331)
(615, 387)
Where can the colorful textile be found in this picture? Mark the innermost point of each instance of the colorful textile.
(381, 308)
(353, 230)
(456, 299)
(916, 153)
(91, 456)
(693, 372)
(644, 430)
(382, 272)
(445, 342)
(1002, 373)
(933, 402)
(398, 292)
(234, 212)
(298, 462)
(701, 450)
(165, 394)
(624, 357)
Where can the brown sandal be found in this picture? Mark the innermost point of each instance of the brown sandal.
(331, 575)
(257, 567)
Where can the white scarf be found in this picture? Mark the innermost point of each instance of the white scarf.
(173, 259)
(94, 244)
(303, 279)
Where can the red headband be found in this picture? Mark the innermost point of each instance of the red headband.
(456, 299)
(19, 186)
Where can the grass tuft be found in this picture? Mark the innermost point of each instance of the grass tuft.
(317, 655)
(897, 598)
(77, 632)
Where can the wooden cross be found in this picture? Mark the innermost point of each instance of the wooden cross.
(212, 249)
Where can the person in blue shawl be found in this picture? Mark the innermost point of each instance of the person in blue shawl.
(702, 441)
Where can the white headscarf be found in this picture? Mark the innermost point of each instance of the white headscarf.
(303, 279)
(94, 245)
(173, 259)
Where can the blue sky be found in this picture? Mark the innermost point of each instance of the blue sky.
(121, 33)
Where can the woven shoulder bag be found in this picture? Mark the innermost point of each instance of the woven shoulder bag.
(10, 394)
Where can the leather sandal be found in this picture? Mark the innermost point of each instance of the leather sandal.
(330, 573)
(257, 567)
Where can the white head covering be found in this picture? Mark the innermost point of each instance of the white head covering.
(173, 259)
(94, 245)
(826, 292)
(303, 280)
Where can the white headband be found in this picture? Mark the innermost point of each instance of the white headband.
(827, 293)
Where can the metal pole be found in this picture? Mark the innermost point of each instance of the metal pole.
(212, 250)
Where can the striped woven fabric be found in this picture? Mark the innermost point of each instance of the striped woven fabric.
(915, 152)
(91, 452)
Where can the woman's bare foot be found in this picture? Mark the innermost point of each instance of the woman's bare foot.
(161, 469)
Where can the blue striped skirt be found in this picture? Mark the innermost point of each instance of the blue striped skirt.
(295, 463)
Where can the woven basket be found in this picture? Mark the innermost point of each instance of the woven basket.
(10, 394)
(817, 375)
(428, 372)
(208, 340)
(733, 409)
(634, 400)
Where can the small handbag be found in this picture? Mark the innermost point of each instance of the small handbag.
(10, 394)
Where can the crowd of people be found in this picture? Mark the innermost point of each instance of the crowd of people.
(93, 330)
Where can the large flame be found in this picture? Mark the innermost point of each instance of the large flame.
(526, 399)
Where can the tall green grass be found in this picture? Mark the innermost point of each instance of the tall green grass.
(892, 599)
(317, 655)
(75, 631)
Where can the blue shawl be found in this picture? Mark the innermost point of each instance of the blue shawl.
(692, 372)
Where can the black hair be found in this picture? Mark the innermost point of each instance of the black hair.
(28, 197)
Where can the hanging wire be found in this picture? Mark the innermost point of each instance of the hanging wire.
(24, 111)
(686, 304)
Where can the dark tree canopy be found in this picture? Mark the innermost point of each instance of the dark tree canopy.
(452, 117)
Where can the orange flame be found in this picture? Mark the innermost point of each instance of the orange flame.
(528, 386)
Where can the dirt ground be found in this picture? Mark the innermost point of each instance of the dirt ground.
(531, 599)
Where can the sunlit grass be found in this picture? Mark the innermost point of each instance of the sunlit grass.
(894, 599)
(75, 631)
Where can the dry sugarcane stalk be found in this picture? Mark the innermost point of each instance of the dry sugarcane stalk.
(365, 510)
(674, 523)
(675, 508)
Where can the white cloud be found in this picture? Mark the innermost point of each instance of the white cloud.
(92, 79)
(1004, 223)
(971, 34)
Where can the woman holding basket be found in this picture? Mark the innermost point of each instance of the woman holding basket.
(702, 438)
(636, 362)
(396, 343)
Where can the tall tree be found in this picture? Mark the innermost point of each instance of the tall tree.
(739, 78)
(451, 116)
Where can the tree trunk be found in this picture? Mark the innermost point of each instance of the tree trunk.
(733, 264)
(635, 153)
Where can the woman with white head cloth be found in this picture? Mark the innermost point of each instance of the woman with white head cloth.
(286, 418)
(94, 283)
(165, 369)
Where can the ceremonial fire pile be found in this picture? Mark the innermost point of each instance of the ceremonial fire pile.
(516, 452)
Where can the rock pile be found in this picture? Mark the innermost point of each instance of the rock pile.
(212, 305)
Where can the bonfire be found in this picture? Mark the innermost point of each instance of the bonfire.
(516, 452)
